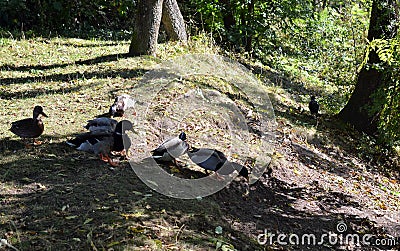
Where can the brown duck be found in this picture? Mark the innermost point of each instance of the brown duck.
(30, 127)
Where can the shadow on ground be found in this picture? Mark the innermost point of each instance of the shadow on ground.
(63, 199)
(55, 198)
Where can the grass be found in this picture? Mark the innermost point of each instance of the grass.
(55, 198)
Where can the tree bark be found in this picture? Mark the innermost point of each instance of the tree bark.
(249, 37)
(356, 111)
(173, 22)
(228, 17)
(146, 27)
(147, 22)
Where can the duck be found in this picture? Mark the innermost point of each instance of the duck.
(30, 127)
(122, 142)
(313, 106)
(102, 124)
(171, 148)
(212, 160)
(102, 143)
(121, 104)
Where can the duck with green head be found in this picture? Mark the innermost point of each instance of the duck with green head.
(30, 127)
(171, 149)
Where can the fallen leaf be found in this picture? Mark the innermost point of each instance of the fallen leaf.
(87, 221)
(138, 229)
(71, 217)
(137, 192)
(27, 180)
(113, 243)
(382, 206)
(277, 155)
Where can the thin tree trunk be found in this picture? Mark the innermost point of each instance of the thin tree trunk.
(228, 17)
(249, 33)
(146, 27)
(173, 22)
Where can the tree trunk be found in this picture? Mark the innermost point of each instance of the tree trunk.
(356, 111)
(228, 17)
(146, 27)
(147, 22)
(249, 34)
(173, 22)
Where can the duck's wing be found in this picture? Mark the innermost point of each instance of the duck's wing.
(85, 141)
(209, 159)
(104, 146)
(207, 162)
(220, 154)
(104, 115)
(27, 128)
(208, 152)
(170, 149)
(170, 144)
(101, 124)
(166, 144)
(102, 121)
(160, 151)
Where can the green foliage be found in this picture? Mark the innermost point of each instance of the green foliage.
(64, 17)
(255, 19)
(387, 98)
(315, 44)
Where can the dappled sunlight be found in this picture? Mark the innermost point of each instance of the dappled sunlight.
(53, 196)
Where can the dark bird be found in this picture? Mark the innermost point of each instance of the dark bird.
(122, 142)
(213, 160)
(102, 124)
(30, 127)
(171, 148)
(102, 143)
(313, 106)
(121, 104)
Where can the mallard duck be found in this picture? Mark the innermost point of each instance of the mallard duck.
(171, 148)
(102, 143)
(121, 104)
(101, 125)
(30, 127)
(213, 160)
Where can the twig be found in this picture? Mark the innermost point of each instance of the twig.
(179, 231)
